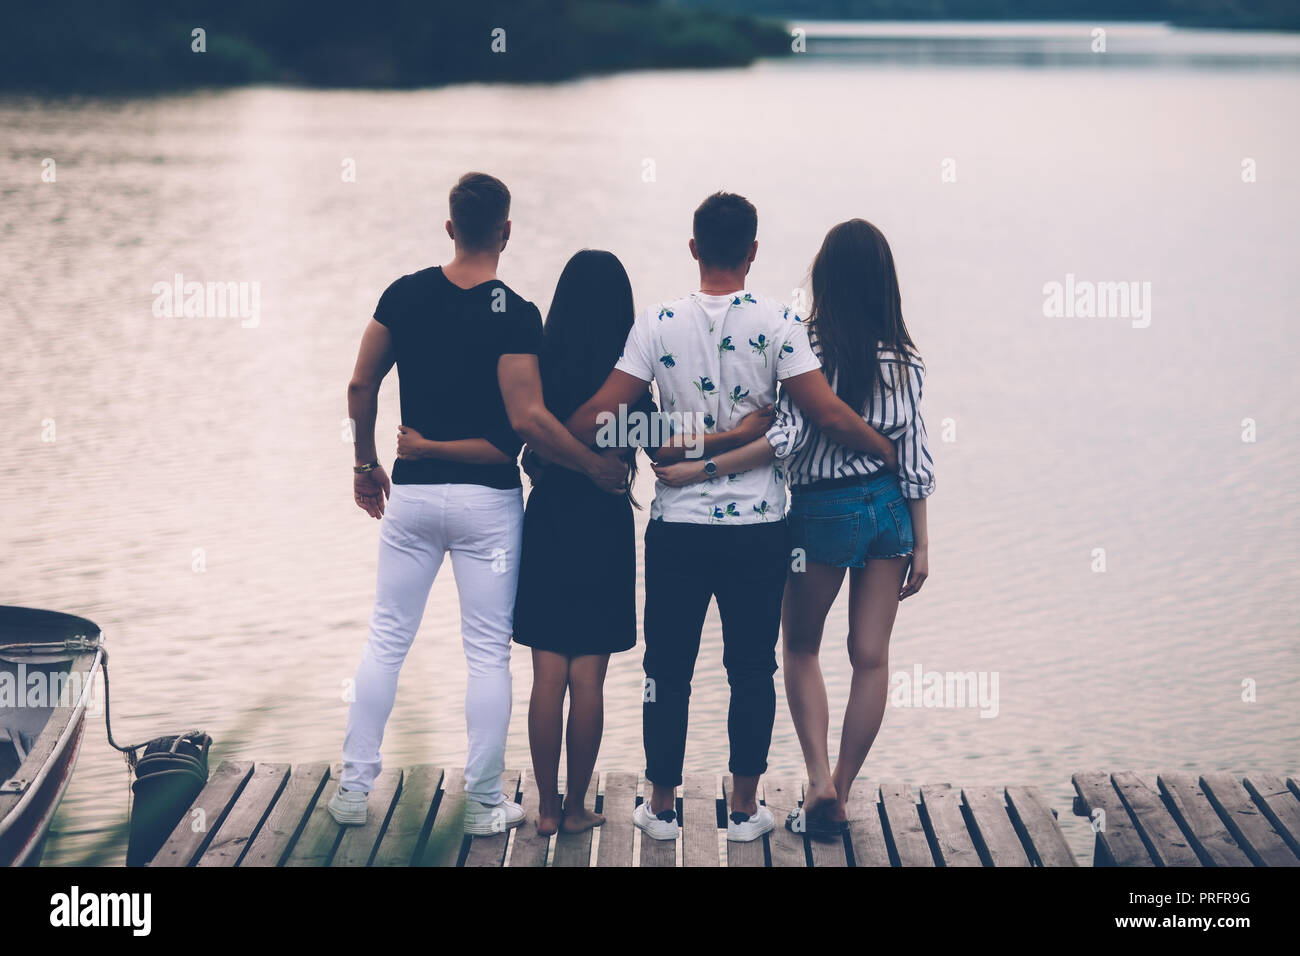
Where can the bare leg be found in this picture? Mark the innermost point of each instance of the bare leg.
(582, 739)
(545, 725)
(809, 595)
(873, 604)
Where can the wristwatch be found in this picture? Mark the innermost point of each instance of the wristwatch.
(362, 469)
(710, 467)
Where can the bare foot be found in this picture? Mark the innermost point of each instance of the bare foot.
(575, 821)
(824, 801)
(548, 817)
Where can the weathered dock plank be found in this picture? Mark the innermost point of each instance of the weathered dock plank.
(411, 818)
(288, 816)
(952, 841)
(617, 835)
(1037, 827)
(194, 831)
(447, 835)
(991, 827)
(782, 796)
(1164, 839)
(529, 848)
(1278, 804)
(574, 849)
(1189, 805)
(753, 853)
(903, 825)
(1246, 823)
(866, 832)
(700, 820)
(250, 810)
(1118, 842)
(320, 834)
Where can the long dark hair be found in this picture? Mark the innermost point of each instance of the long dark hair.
(857, 309)
(591, 314)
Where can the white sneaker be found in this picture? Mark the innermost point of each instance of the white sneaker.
(348, 807)
(744, 827)
(660, 826)
(484, 820)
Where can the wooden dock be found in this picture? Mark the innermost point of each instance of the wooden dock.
(1181, 819)
(272, 814)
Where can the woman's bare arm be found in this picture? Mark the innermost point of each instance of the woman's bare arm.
(411, 445)
(919, 569)
(754, 455)
(818, 401)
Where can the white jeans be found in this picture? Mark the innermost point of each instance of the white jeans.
(483, 529)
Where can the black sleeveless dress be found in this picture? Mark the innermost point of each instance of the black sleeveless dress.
(577, 576)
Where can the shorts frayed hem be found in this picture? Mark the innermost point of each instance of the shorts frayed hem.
(863, 562)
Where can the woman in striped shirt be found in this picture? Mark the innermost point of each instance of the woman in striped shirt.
(847, 510)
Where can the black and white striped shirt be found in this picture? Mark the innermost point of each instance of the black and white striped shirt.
(806, 455)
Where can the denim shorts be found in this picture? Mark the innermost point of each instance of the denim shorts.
(845, 524)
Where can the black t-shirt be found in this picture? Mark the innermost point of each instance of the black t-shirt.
(447, 341)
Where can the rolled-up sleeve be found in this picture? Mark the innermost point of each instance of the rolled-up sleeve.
(787, 433)
(915, 465)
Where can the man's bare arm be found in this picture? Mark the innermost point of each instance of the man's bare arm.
(521, 389)
(698, 447)
(375, 358)
(818, 401)
(622, 390)
(619, 389)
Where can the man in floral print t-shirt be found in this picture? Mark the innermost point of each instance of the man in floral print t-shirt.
(716, 356)
(714, 359)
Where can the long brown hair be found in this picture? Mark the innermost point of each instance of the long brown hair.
(857, 309)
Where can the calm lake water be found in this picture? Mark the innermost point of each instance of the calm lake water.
(1053, 436)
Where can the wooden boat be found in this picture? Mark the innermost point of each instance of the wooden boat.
(47, 668)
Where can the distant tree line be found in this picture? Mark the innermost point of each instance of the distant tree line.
(126, 45)
(1236, 14)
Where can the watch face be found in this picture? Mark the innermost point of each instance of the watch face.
(710, 468)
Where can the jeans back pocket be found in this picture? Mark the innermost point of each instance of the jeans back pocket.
(827, 539)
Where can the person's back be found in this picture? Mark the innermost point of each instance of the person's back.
(447, 342)
(715, 358)
(576, 600)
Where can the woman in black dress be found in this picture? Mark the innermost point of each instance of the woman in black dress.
(576, 602)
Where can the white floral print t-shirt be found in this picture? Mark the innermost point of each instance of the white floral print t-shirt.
(714, 359)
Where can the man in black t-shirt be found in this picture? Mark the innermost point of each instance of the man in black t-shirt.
(466, 347)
